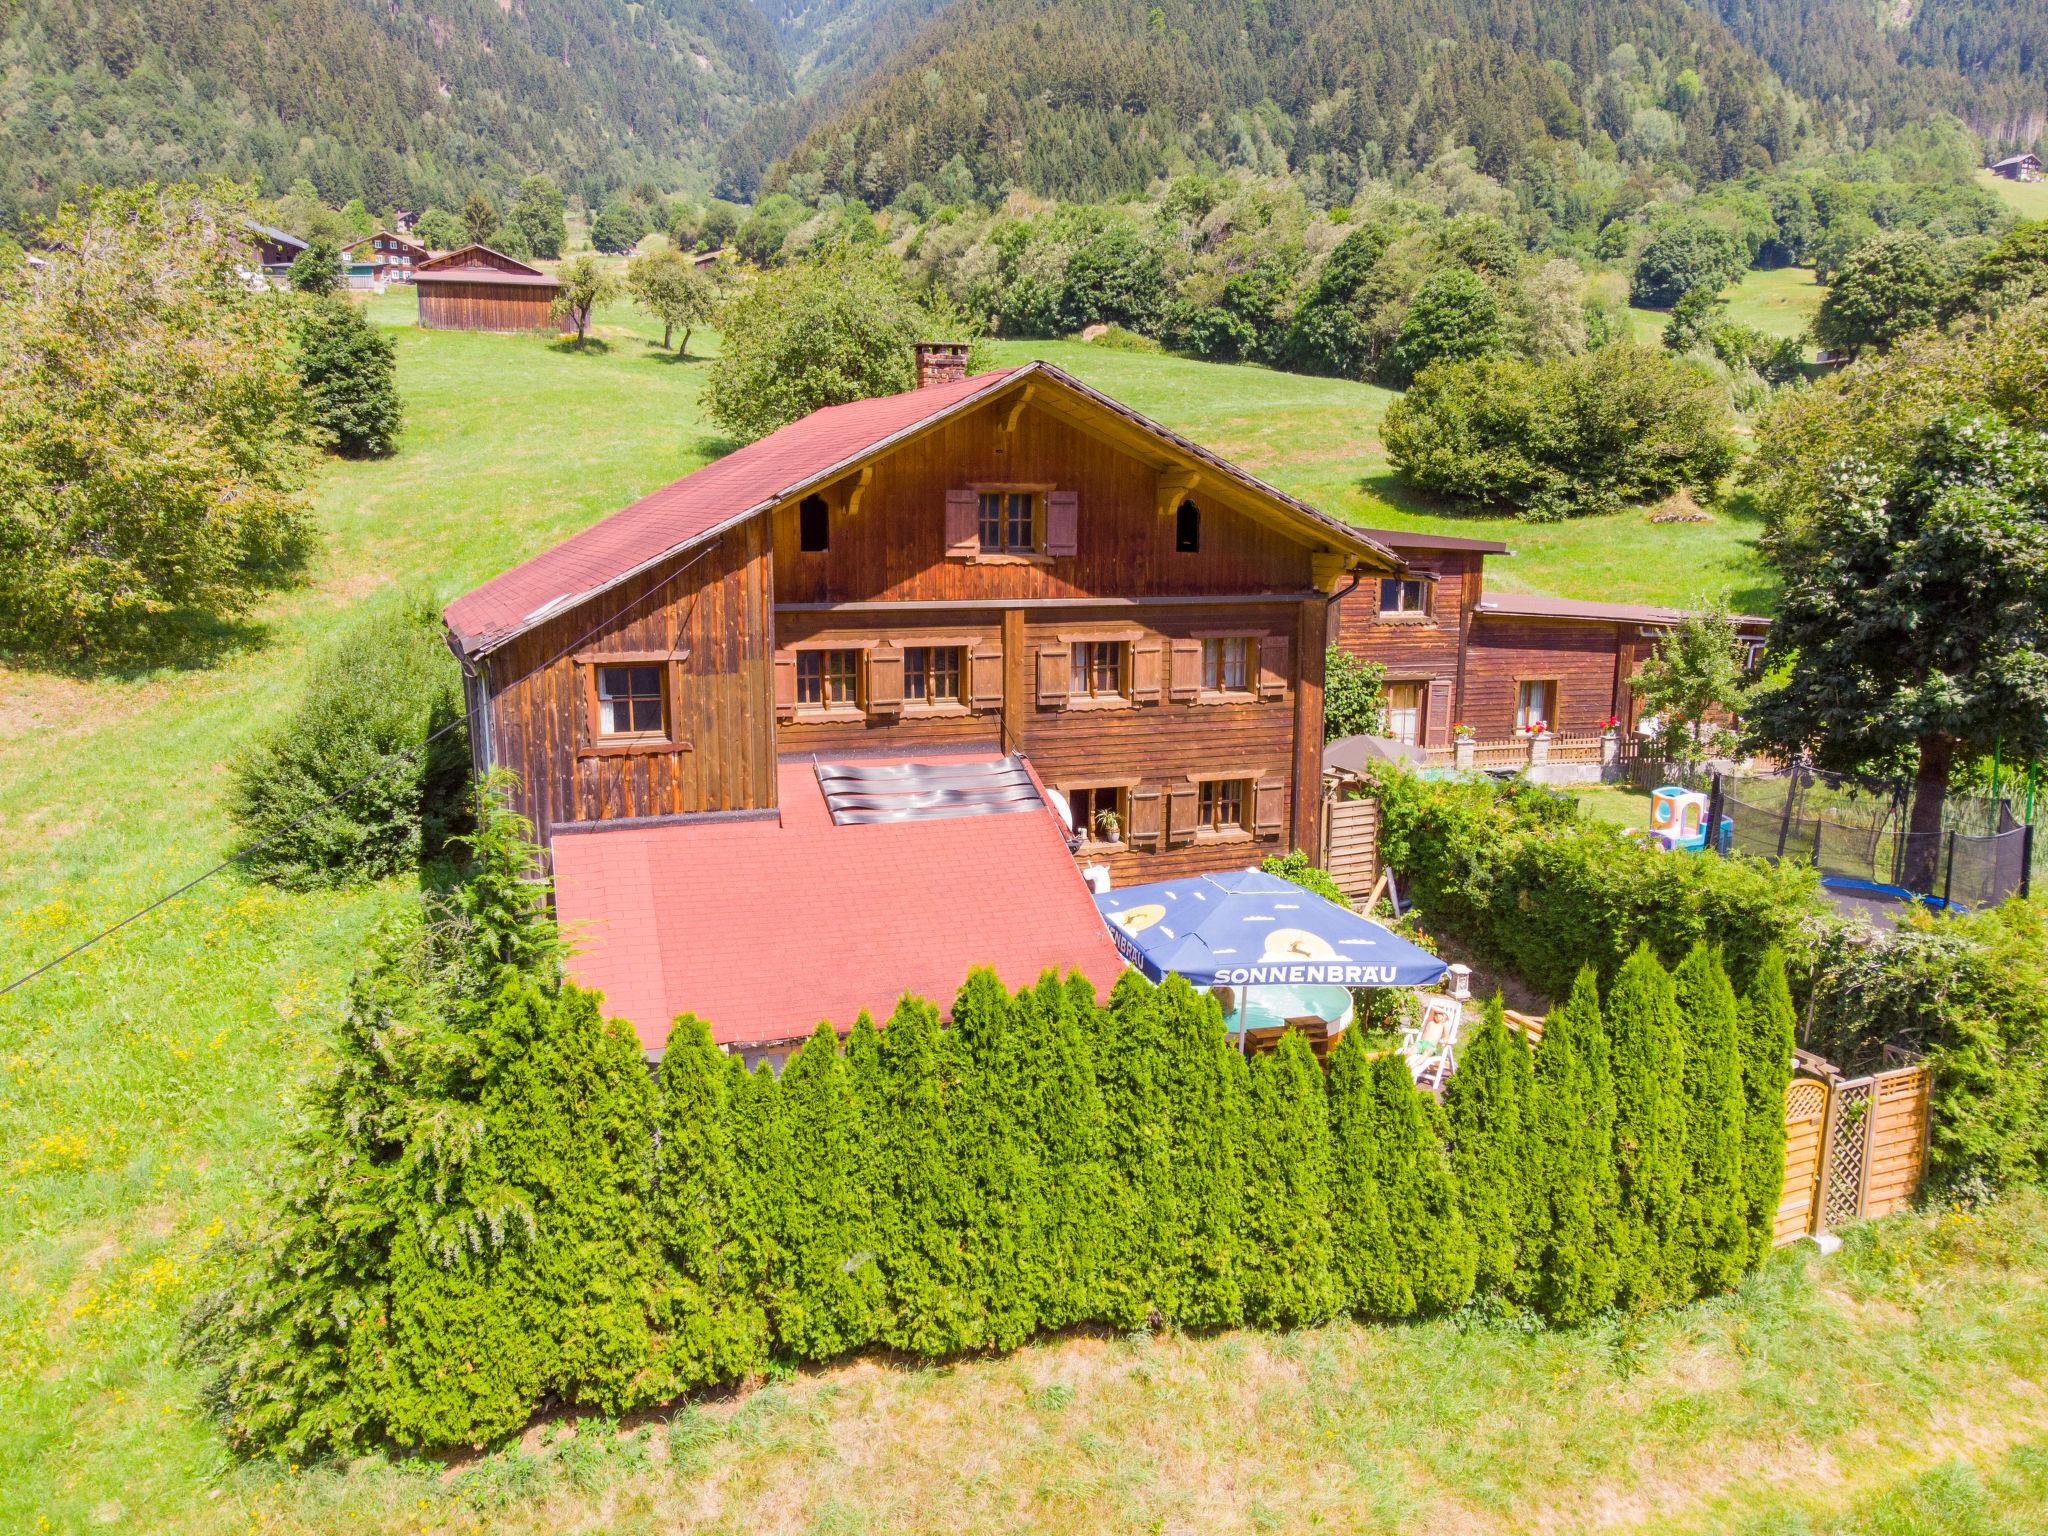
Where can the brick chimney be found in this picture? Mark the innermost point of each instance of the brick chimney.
(940, 362)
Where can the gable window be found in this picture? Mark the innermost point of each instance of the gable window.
(1219, 805)
(1404, 594)
(931, 674)
(1097, 669)
(630, 704)
(1100, 815)
(828, 679)
(1536, 705)
(1009, 522)
(1187, 529)
(1227, 664)
(813, 525)
(1404, 712)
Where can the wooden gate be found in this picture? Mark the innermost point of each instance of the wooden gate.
(1351, 841)
(1854, 1148)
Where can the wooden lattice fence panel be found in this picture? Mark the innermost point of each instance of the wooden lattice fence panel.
(1806, 1112)
(1351, 846)
(1845, 1154)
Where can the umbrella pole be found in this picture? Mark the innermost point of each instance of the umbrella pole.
(1244, 1023)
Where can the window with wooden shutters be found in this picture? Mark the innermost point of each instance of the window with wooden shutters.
(1273, 658)
(987, 670)
(932, 676)
(1535, 705)
(1146, 805)
(785, 684)
(1226, 665)
(1101, 813)
(1006, 523)
(827, 680)
(1148, 661)
(1184, 666)
(1098, 669)
(886, 668)
(1403, 713)
(632, 703)
(1436, 717)
(1220, 806)
(1062, 523)
(1269, 808)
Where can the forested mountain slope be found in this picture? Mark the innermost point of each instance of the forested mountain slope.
(396, 101)
(1092, 98)
(1881, 64)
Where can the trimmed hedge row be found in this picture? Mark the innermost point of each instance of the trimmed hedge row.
(1524, 877)
(495, 1206)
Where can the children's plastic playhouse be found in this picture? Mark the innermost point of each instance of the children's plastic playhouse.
(1678, 817)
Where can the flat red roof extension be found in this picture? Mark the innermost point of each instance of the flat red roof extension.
(762, 927)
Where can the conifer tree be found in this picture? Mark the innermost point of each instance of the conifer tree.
(1487, 1112)
(1647, 1050)
(993, 1136)
(832, 1299)
(1062, 1237)
(1290, 1276)
(1432, 1244)
(1572, 1142)
(1766, 1022)
(1370, 1280)
(1206, 1099)
(932, 1207)
(709, 1326)
(1135, 1073)
(760, 1188)
(1713, 1233)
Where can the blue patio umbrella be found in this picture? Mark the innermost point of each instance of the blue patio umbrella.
(1250, 928)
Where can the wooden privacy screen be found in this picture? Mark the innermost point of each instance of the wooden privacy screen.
(1351, 845)
(1806, 1113)
(1854, 1148)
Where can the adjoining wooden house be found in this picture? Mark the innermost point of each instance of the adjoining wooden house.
(2025, 167)
(758, 715)
(385, 257)
(479, 289)
(275, 250)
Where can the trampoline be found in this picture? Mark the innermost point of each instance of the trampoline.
(1877, 903)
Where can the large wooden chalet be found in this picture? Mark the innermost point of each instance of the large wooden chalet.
(983, 581)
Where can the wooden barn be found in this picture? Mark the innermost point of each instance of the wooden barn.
(479, 289)
(2019, 168)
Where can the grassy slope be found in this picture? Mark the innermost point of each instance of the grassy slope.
(2028, 199)
(1780, 302)
(142, 1090)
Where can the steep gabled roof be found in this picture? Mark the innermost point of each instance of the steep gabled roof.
(749, 481)
(276, 236)
(466, 264)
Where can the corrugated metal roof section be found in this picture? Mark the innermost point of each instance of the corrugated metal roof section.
(860, 794)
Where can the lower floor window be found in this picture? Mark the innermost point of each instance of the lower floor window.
(931, 674)
(1536, 705)
(1219, 806)
(826, 678)
(1404, 712)
(1098, 668)
(1098, 813)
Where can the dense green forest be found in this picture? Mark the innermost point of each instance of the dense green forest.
(396, 102)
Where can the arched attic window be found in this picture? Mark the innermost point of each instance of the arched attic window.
(813, 525)
(1187, 528)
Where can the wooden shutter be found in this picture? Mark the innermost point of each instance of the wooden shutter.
(885, 680)
(1272, 666)
(1182, 808)
(985, 679)
(1147, 661)
(963, 525)
(1146, 806)
(1053, 682)
(1437, 719)
(1269, 807)
(785, 684)
(1186, 669)
(1062, 523)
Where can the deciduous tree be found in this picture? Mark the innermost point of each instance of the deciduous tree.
(669, 287)
(584, 285)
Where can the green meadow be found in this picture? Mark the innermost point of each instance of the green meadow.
(2028, 199)
(146, 1086)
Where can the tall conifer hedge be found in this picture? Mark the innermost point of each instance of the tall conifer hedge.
(1766, 1022)
(1713, 1233)
(1571, 1133)
(1647, 1049)
(1487, 1108)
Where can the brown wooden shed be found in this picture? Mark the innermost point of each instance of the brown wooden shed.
(479, 289)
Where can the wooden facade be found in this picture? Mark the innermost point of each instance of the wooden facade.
(479, 289)
(1421, 648)
(1154, 645)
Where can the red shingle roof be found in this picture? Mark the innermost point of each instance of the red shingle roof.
(752, 479)
(744, 482)
(763, 927)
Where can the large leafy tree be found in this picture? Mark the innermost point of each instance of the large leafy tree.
(1895, 284)
(350, 368)
(1455, 316)
(669, 287)
(1685, 255)
(537, 214)
(154, 435)
(1914, 620)
(584, 285)
(1695, 673)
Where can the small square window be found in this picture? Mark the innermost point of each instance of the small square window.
(1187, 529)
(1009, 522)
(1220, 805)
(1226, 664)
(1097, 668)
(813, 525)
(1404, 594)
(629, 702)
(1536, 705)
(827, 679)
(1099, 814)
(931, 674)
